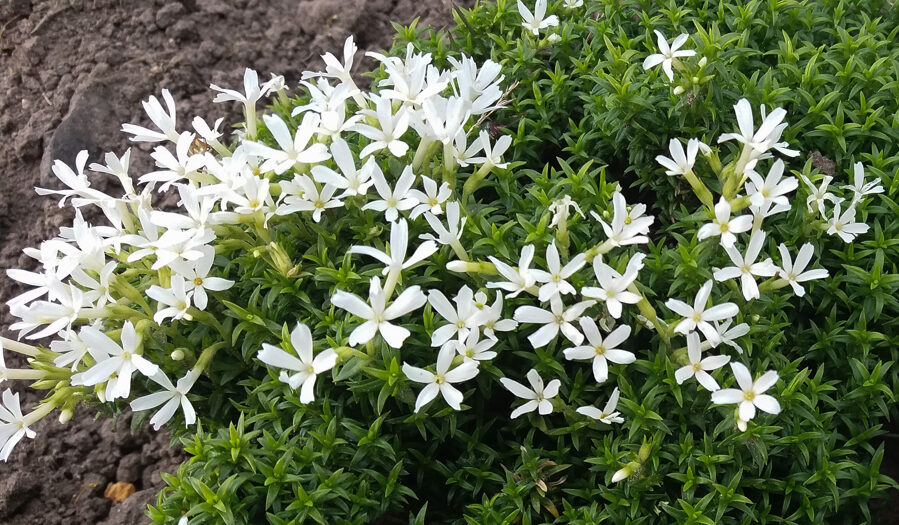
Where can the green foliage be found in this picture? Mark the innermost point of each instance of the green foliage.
(585, 116)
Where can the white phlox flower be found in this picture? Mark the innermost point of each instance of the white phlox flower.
(624, 229)
(724, 226)
(557, 318)
(396, 199)
(555, 280)
(756, 144)
(492, 321)
(395, 258)
(173, 301)
(772, 189)
(727, 334)
(817, 195)
(561, 209)
(613, 287)
(844, 224)
(745, 266)
(571, 4)
(171, 398)
(608, 414)
(493, 155)
(58, 315)
(668, 54)
(441, 380)
(518, 279)
(698, 366)
(301, 194)
(342, 72)
(859, 188)
(182, 165)
(462, 318)
(537, 20)
(391, 128)
(681, 162)
(252, 90)
(794, 271)
(164, 121)
(602, 350)
(377, 315)
(13, 425)
(294, 149)
(452, 233)
(197, 279)
(750, 394)
(431, 199)
(474, 348)
(119, 363)
(698, 316)
(299, 370)
(351, 180)
(537, 397)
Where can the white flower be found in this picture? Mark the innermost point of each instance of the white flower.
(474, 348)
(175, 168)
(607, 415)
(844, 225)
(750, 395)
(612, 289)
(571, 4)
(197, 279)
(860, 188)
(303, 367)
(165, 122)
(818, 195)
(252, 90)
(538, 396)
(600, 350)
(555, 279)
(537, 20)
(13, 426)
(517, 279)
(441, 381)
(772, 189)
(121, 362)
(624, 229)
(377, 317)
(337, 70)
(351, 180)
(431, 199)
(462, 318)
(724, 226)
(392, 128)
(395, 261)
(395, 200)
(172, 396)
(553, 320)
(491, 318)
(455, 225)
(493, 155)
(698, 367)
(700, 317)
(680, 162)
(728, 334)
(746, 268)
(57, 315)
(762, 140)
(667, 55)
(794, 272)
(294, 149)
(560, 209)
(173, 302)
(301, 194)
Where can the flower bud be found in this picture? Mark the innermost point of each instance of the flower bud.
(679, 90)
(621, 474)
(457, 266)
(695, 80)
(703, 61)
(65, 415)
(177, 354)
(553, 38)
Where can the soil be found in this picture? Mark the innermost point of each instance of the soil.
(71, 72)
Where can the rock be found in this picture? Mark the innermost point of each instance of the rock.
(130, 468)
(169, 14)
(89, 115)
(131, 511)
(15, 490)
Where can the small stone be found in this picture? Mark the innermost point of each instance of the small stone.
(169, 14)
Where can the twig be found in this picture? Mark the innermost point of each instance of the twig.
(48, 17)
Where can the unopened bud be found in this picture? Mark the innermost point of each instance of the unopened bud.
(553, 38)
(65, 415)
(621, 474)
(645, 449)
(695, 80)
(679, 90)
(703, 61)
(177, 354)
(457, 266)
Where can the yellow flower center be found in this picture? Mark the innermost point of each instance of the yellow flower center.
(600, 350)
(439, 379)
(697, 367)
(749, 396)
(198, 281)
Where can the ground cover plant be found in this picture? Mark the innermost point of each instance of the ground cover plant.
(575, 262)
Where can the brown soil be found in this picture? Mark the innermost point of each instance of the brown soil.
(71, 72)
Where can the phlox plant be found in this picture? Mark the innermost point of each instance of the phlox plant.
(565, 263)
